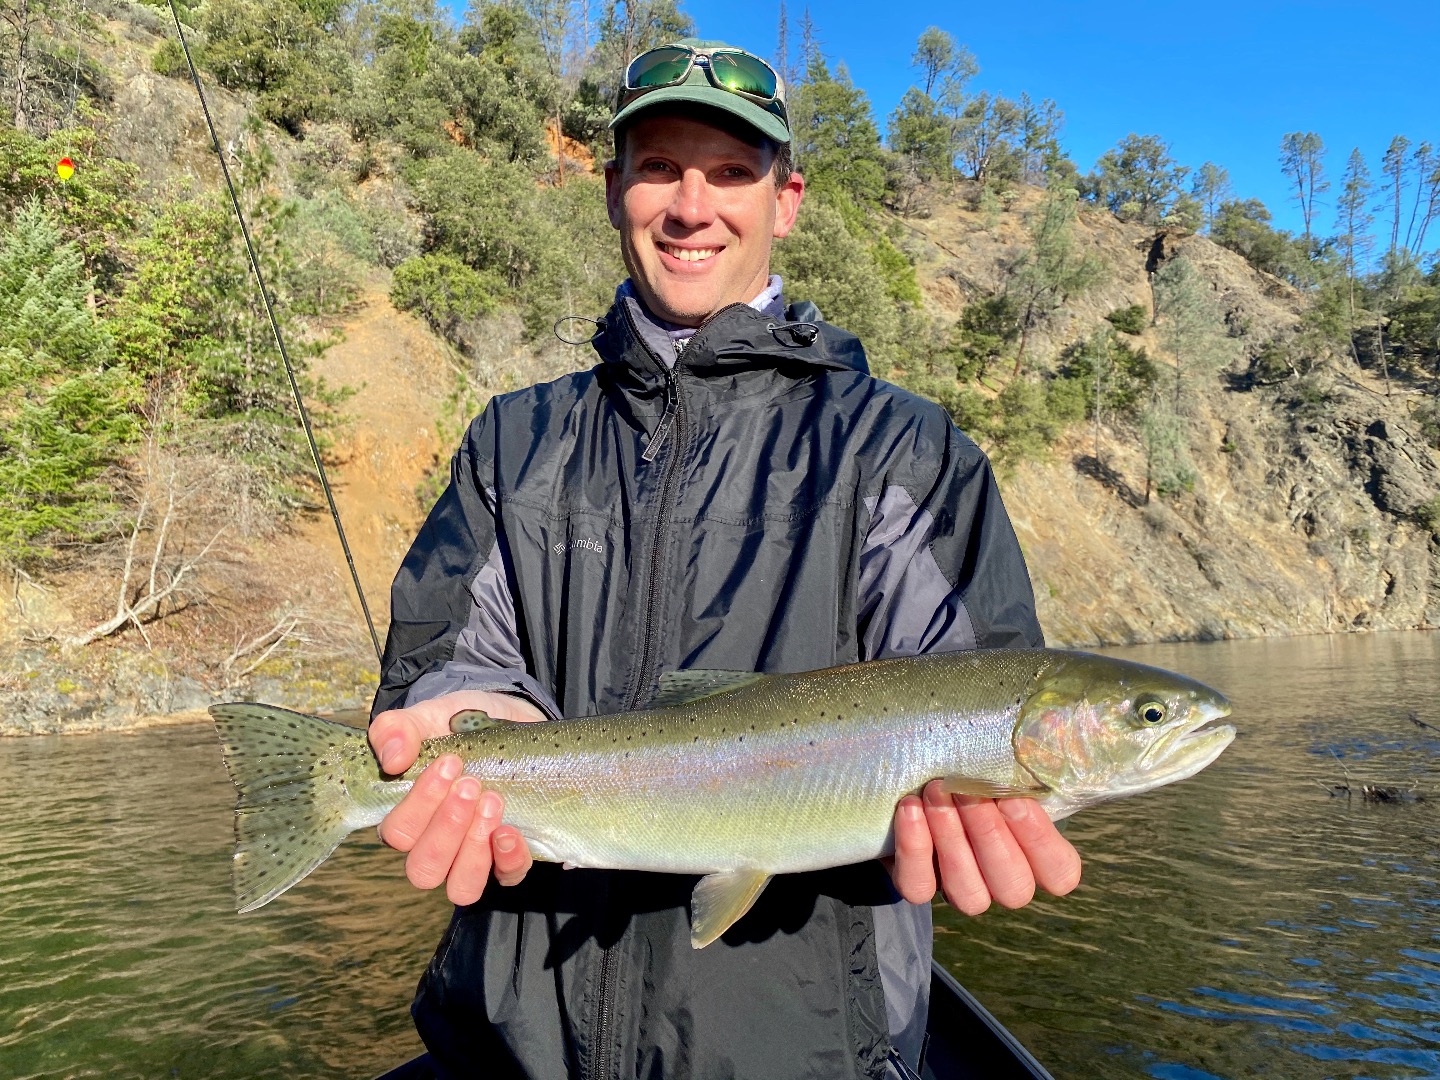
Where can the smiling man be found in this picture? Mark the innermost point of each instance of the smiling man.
(728, 488)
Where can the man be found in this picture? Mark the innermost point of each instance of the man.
(727, 489)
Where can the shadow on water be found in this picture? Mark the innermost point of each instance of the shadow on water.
(1245, 923)
(1239, 924)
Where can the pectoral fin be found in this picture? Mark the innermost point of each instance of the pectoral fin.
(986, 789)
(474, 720)
(720, 899)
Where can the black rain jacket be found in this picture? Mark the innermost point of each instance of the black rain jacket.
(758, 503)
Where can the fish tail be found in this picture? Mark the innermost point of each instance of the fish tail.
(294, 806)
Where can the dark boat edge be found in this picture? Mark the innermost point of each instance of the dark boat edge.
(964, 1041)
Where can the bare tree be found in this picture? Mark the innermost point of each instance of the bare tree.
(170, 571)
(1427, 196)
(22, 17)
(160, 557)
(265, 642)
(782, 48)
(1393, 166)
(1302, 157)
(552, 19)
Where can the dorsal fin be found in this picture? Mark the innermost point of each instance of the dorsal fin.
(683, 687)
(475, 720)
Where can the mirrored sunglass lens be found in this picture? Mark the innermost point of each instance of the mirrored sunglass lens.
(658, 67)
(744, 73)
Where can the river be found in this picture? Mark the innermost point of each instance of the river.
(1242, 923)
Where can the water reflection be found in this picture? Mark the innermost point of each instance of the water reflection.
(1242, 923)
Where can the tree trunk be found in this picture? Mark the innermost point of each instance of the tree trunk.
(1380, 351)
(22, 74)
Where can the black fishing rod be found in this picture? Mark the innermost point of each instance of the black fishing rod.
(279, 337)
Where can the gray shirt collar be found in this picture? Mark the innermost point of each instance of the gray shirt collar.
(666, 339)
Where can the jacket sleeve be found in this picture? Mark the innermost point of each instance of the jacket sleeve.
(453, 623)
(941, 569)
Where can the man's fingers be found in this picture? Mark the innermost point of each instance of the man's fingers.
(470, 872)
(960, 875)
(404, 825)
(913, 866)
(396, 741)
(429, 861)
(1053, 859)
(512, 855)
(1003, 865)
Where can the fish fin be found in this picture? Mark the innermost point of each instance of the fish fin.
(720, 900)
(683, 687)
(294, 807)
(986, 789)
(475, 720)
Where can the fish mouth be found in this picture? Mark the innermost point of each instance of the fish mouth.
(1192, 747)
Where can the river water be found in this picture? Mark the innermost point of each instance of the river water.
(1243, 923)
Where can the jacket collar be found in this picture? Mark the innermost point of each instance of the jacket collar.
(735, 339)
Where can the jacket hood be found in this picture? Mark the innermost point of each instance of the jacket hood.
(735, 339)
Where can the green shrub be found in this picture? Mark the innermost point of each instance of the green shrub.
(1428, 515)
(1428, 417)
(1129, 320)
(169, 60)
(1126, 374)
(444, 291)
(984, 334)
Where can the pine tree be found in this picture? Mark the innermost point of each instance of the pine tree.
(1138, 179)
(1211, 187)
(1052, 271)
(67, 410)
(1353, 220)
(835, 139)
(1164, 434)
(1191, 327)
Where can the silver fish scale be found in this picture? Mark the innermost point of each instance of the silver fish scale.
(795, 772)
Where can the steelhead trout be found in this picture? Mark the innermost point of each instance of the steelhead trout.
(738, 777)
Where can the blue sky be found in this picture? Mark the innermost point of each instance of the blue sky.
(1220, 81)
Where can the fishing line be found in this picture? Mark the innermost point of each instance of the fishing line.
(279, 338)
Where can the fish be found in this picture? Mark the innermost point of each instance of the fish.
(738, 776)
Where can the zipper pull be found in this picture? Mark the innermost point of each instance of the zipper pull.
(667, 419)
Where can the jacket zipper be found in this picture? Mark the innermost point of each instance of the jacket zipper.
(670, 428)
(670, 423)
(669, 491)
(603, 1066)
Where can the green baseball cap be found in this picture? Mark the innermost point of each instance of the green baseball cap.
(711, 74)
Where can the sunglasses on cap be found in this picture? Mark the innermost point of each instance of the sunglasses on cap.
(732, 70)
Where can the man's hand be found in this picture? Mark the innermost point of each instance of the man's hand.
(447, 823)
(985, 850)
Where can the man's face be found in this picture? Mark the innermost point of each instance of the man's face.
(697, 210)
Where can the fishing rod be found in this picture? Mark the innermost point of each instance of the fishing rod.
(279, 337)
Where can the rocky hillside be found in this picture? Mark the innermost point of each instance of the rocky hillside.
(1304, 516)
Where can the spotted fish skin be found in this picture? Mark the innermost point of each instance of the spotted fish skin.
(757, 775)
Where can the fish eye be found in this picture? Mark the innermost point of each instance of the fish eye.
(1151, 711)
